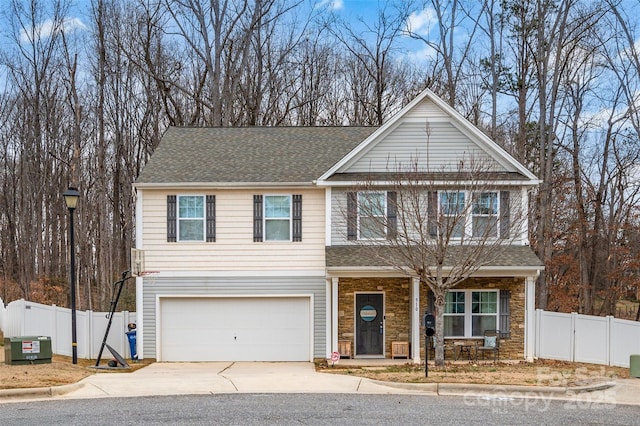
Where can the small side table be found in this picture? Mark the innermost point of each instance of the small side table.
(462, 348)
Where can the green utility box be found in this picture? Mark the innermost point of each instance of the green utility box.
(27, 350)
(634, 365)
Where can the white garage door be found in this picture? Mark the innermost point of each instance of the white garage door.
(235, 329)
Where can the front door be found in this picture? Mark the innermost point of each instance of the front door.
(370, 324)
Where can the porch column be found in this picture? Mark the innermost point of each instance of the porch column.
(415, 320)
(529, 318)
(334, 314)
(140, 280)
(327, 314)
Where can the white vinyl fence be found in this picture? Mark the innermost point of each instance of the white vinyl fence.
(23, 318)
(2, 309)
(585, 338)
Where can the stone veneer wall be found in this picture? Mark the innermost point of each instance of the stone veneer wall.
(397, 303)
(513, 347)
(397, 292)
(397, 299)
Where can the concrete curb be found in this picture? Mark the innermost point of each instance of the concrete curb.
(454, 389)
(478, 389)
(419, 387)
(591, 388)
(451, 389)
(39, 392)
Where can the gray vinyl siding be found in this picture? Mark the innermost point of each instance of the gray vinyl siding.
(446, 144)
(339, 216)
(211, 286)
(427, 110)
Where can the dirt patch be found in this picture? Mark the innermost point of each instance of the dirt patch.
(537, 373)
(61, 371)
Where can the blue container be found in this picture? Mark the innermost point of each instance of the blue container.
(131, 335)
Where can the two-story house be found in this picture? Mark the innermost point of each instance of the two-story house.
(255, 258)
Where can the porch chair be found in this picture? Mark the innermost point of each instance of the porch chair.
(491, 343)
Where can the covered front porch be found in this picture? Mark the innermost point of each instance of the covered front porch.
(380, 316)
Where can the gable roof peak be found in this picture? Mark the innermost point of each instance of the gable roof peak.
(442, 113)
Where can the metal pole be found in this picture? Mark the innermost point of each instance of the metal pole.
(426, 356)
(74, 342)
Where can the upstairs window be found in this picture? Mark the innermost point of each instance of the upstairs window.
(372, 212)
(371, 215)
(452, 208)
(485, 215)
(277, 217)
(191, 218)
(479, 214)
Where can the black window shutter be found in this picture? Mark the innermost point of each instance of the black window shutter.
(211, 218)
(392, 215)
(352, 216)
(171, 219)
(505, 214)
(505, 314)
(297, 218)
(432, 213)
(257, 218)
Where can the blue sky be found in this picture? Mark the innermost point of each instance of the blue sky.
(352, 11)
(421, 21)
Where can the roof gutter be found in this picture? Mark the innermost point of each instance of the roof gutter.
(238, 185)
(351, 183)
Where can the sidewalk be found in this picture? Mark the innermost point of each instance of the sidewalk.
(301, 377)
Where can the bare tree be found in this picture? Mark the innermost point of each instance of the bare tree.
(452, 17)
(371, 48)
(441, 226)
(37, 141)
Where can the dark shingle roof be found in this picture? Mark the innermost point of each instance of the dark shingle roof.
(365, 256)
(249, 154)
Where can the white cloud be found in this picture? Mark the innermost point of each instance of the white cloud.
(48, 27)
(424, 55)
(331, 4)
(420, 22)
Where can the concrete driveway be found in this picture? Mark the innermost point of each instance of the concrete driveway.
(224, 377)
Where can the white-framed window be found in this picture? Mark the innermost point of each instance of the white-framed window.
(372, 213)
(191, 217)
(453, 210)
(469, 313)
(454, 313)
(277, 217)
(475, 214)
(484, 221)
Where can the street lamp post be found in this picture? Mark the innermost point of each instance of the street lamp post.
(71, 196)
